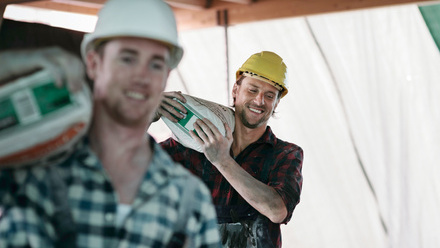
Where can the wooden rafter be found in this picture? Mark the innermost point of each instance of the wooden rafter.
(5, 2)
(272, 9)
(189, 4)
(241, 1)
(192, 14)
(63, 6)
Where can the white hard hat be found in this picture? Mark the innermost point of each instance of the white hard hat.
(151, 19)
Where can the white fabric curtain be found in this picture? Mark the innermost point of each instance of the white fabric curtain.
(387, 71)
(364, 104)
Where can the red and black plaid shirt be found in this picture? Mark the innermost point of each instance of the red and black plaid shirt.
(284, 173)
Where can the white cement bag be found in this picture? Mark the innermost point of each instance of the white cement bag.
(198, 109)
(40, 122)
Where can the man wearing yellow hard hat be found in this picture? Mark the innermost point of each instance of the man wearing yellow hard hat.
(255, 178)
(115, 188)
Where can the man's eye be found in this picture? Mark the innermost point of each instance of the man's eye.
(253, 90)
(157, 65)
(270, 96)
(128, 60)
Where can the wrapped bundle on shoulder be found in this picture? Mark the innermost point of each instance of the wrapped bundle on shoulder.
(39, 122)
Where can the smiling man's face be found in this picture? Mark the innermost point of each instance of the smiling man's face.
(255, 101)
(129, 78)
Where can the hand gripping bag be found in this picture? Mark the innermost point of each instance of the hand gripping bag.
(198, 109)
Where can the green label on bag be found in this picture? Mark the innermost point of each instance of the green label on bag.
(188, 121)
(29, 105)
(51, 98)
(8, 118)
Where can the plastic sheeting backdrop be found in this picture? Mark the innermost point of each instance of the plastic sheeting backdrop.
(364, 104)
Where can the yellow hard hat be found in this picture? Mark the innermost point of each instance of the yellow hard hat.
(268, 67)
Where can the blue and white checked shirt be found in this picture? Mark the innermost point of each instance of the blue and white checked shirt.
(28, 219)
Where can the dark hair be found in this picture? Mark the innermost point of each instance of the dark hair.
(238, 82)
(99, 47)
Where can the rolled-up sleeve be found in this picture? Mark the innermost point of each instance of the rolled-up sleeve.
(286, 178)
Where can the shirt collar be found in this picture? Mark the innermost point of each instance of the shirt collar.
(161, 162)
(268, 137)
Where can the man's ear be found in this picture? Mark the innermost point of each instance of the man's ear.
(276, 104)
(92, 61)
(234, 90)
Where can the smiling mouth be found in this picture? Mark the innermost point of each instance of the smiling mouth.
(135, 95)
(256, 110)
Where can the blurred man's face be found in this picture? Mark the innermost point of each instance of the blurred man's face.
(129, 78)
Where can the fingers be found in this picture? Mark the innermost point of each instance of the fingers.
(207, 131)
(175, 94)
(170, 113)
(196, 137)
(228, 131)
(203, 131)
(171, 108)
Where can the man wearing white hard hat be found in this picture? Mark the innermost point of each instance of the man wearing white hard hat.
(122, 190)
(255, 178)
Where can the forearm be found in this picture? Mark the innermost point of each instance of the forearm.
(262, 197)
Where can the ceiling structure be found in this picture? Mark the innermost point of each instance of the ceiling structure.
(194, 14)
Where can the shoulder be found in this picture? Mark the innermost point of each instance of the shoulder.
(279, 144)
(288, 146)
(285, 148)
(170, 142)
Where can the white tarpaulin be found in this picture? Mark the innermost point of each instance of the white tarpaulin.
(364, 104)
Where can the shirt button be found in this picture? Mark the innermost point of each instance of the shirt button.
(90, 161)
(109, 217)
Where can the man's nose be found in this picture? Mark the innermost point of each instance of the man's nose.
(259, 99)
(142, 74)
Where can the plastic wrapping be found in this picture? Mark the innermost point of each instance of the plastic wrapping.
(40, 122)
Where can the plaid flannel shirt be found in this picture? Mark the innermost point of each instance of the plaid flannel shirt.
(285, 176)
(27, 198)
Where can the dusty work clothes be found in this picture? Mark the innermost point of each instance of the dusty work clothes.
(284, 174)
(30, 217)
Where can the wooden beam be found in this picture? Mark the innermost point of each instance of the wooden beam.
(6, 2)
(201, 17)
(273, 9)
(189, 4)
(240, 1)
(63, 6)
(86, 3)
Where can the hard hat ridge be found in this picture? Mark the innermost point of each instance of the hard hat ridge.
(150, 19)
